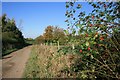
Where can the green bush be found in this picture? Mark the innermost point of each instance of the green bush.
(97, 44)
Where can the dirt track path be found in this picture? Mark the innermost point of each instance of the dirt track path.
(13, 65)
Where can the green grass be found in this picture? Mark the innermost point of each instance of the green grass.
(32, 68)
(9, 51)
(38, 63)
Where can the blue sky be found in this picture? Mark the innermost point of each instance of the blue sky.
(36, 16)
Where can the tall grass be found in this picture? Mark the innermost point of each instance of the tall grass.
(46, 62)
(32, 67)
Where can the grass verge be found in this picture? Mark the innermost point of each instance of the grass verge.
(46, 62)
(32, 67)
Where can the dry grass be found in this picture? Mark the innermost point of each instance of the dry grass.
(46, 62)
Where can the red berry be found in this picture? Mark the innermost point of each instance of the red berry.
(80, 51)
(110, 26)
(86, 35)
(92, 17)
(90, 25)
(88, 48)
(101, 38)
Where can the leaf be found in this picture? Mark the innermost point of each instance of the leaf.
(67, 6)
(73, 32)
(68, 24)
(68, 16)
(73, 18)
(87, 43)
(93, 42)
(81, 30)
(82, 47)
(91, 56)
(79, 6)
(71, 3)
(66, 20)
(66, 31)
(94, 5)
(74, 11)
(78, 25)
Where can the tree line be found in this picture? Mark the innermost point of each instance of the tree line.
(12, 37)
(51, 36)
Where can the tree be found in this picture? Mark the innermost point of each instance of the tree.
(59, 36)
(11, 36)
(48, 35)
(40, 40)
(52, 35)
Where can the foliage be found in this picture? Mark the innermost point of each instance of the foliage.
(29, 41)
(39, 40)
(97, 44)
(11, 35)
(59, 35)
(52, 35)
(94, 38)
(48, 35)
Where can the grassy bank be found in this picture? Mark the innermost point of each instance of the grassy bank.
(46, 62)
(8, 51)
(32, 66)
